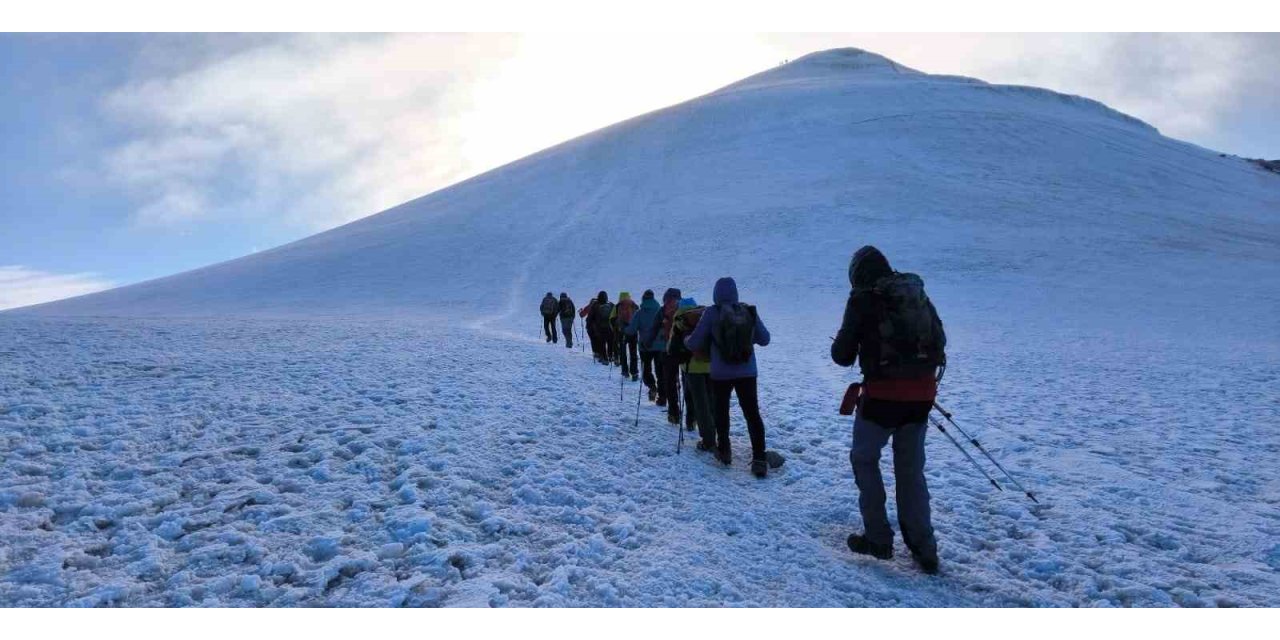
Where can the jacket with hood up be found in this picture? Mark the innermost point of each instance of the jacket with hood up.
(889, 403)
(726, 292)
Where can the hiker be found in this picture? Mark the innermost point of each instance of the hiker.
(899, 385)
(729, 330)
(644, 327)
(549, 308)
(600, 317)
(625, 344)
(566, 309)
(587, 314)
(697, 374)
(669, 376)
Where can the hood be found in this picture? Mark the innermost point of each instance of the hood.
(549, 295)
(564, 296)
(726, 291)
(648, 294)
(867, 266)
(686, 303)
(671, 294)
(650, 304)
(625, 295)
(602, 297)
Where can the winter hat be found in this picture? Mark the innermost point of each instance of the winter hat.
(671, 294)
(602, 297)
(625, 295)
(648, 294)
(687, 303)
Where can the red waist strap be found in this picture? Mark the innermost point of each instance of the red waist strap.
(904, 390)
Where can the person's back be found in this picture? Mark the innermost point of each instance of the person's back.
(899, 387)
(548, 309)
(565, 309)
(733, 377)
(623, 312)
(644, 326)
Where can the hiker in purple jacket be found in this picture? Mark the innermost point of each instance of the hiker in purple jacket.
(733, 368)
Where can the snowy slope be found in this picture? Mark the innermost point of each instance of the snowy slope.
(267, 430)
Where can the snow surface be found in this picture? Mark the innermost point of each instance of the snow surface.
(367, 416)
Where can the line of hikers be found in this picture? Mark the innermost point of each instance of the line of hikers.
(704, 354)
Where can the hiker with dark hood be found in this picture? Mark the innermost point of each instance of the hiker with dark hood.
(669, 379)
(729, 331)
(628, 359)
(604, 329)
(644, 327)
(587, 314)
(565, 308)
(549, 307)
(892, 330)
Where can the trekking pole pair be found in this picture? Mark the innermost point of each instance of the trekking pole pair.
(978, 445)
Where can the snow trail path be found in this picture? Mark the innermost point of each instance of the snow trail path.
(246, 463)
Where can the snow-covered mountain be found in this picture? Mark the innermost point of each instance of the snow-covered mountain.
(776, 178)
(367, 416)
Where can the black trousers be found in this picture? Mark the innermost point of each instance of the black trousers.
(549, 327)
(594, 338)
(749, 402)
(648, 359)
(609, 348)
(627, 356)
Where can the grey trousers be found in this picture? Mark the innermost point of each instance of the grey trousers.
(912, 492)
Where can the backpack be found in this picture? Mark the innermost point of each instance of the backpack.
(603, 310)
(549, 306)
(625, 312)
(734, 332)
(566, 309)
(908, 331)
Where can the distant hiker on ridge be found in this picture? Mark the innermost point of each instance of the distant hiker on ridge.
(729, 330)
(549, 308)
(893, 331)
(566, 309)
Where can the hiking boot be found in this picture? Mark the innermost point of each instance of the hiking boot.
(653, 395)
(703, 445)
(673, 419)
(724, 457)
(760, 468)
(635, 378)
(929, 565)
(859, 543)
(662, 402)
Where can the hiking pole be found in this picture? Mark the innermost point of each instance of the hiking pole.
(966, 453)
(978, 445)
(639, 388)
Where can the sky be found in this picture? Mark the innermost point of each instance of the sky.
(127, 157)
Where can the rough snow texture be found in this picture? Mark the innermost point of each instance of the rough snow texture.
(367, 416)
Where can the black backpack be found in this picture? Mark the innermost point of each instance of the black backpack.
(549, 306)
(734, 332)
(602, 314)
(909, 333)
(566, 308)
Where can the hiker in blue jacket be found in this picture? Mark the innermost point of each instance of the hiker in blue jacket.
(646, 325)
(729, 330)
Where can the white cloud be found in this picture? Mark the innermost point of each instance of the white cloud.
(21, 286)
(314, 131)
